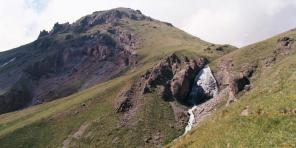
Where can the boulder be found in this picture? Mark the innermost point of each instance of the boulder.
(285, 41)
(125, 106)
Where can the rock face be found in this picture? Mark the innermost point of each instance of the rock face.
(111, 16)
(205, 86)
(69, 58)
(182, 81)
(172, 78)
(175, 76)
(232, 80)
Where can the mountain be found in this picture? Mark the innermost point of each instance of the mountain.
(118, 78)
(68, 59)
(103, 80)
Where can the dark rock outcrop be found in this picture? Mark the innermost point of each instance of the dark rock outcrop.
(183, 80)
(59, 28)
(286, 41)
(283, 48)
(43, 33)
(172, 78)
(125, 106)
(232, 80)
(175, 76)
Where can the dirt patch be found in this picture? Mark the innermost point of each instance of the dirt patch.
(129, 103)
(245, 112)
(77, 135)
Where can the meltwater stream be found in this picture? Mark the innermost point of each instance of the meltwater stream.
(191, 119)
(204, 85)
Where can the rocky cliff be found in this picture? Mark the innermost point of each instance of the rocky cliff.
(69, 58)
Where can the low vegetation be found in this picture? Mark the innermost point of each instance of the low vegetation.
(263, 116)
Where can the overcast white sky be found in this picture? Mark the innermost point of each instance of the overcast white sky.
(236, 22)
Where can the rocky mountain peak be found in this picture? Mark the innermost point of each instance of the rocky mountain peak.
(72, 56)
(97, 18)
(110, 16)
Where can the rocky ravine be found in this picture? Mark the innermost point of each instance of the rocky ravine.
(172, 79)
(186, 81)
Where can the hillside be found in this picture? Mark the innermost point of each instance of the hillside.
(84, 83)
(263, 116)
(119, 78)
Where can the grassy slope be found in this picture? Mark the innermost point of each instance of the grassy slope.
(48, 125)
(272, 102)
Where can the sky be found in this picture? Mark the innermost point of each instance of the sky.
(235, 22)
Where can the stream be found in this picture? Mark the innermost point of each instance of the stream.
(191, 120)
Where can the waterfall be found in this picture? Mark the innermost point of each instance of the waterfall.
(205, 87)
